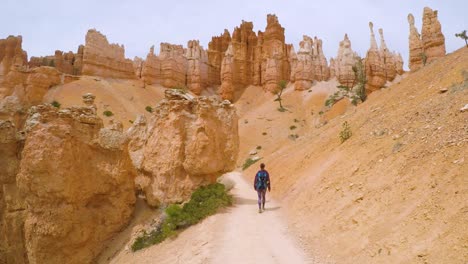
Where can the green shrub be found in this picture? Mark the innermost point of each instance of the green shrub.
(205, 201)
(248, 162)
(264, 133)
(292, 127)
(259, 147)
(345, 133)
(149, 109)
(55, 104)
(107, 113)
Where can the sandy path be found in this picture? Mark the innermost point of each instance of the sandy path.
(250, 237)
(239, 234)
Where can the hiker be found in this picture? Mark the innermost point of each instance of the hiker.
(261, 183)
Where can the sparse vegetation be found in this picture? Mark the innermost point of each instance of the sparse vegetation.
(293, 136)
(131, 121)
(357, 93)
(281, 85)
(107, 113)
(259, 147)
(264, 133)
(149, 109)
(55, 104)
(292, 127)
(296, 120)
(345, 133)
(205, 201)
(463, 36)
(248, 162)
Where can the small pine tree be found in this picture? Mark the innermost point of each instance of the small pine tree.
(282, 86)
(463, 36)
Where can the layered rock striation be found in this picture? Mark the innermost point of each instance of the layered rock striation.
(197, 67)
(189, 141)
(216, 50)
(103, 59)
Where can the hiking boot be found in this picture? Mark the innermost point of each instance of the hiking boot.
(259, 210)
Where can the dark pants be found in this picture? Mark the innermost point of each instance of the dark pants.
(261, 198)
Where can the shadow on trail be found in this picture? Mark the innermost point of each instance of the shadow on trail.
(272, 208)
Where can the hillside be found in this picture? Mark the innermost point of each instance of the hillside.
(396, 191)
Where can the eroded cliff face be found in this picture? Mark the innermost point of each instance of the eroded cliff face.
(188, 142)
(428, 46)
(173, 65)
(78, 182)
(12, 207)
(103, 59)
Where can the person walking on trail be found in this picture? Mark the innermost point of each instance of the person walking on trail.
(261, 183)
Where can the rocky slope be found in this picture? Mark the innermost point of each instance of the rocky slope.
(395, 191)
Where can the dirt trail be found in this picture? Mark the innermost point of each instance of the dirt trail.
(238, 235)
(250, 237)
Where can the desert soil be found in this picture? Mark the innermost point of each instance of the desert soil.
(237, 235)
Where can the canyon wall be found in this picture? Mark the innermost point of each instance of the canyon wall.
(78, 182)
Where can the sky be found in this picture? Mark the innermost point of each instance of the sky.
(50, 25)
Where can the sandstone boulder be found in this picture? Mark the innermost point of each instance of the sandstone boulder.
(100, 58)
(78, 182)
(188, 142)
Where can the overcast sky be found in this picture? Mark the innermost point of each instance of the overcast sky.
(49, 25)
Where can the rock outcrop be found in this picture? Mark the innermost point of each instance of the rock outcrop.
(430, 44)
(30, 86)
(216, 50)
(138, 66)
(341, 67)
(12, 58)
(188, 142)
(274, 54)
(63, 62)
(431, 35)
(173, 65)
(308, 64)
(375, 66)
(197, 67)
(227, 70)
(103, 59)
(12, 207)
(78, 182)
(238, 60)
(151, 71)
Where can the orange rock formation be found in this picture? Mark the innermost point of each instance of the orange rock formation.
(103, 59)
(430, 44)
(77, 178)
(216, 49)
(341, 67)
(197, 67)
(187, 143)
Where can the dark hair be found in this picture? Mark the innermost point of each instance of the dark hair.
(262, 166)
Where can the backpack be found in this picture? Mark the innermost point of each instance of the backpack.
(261, 180)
